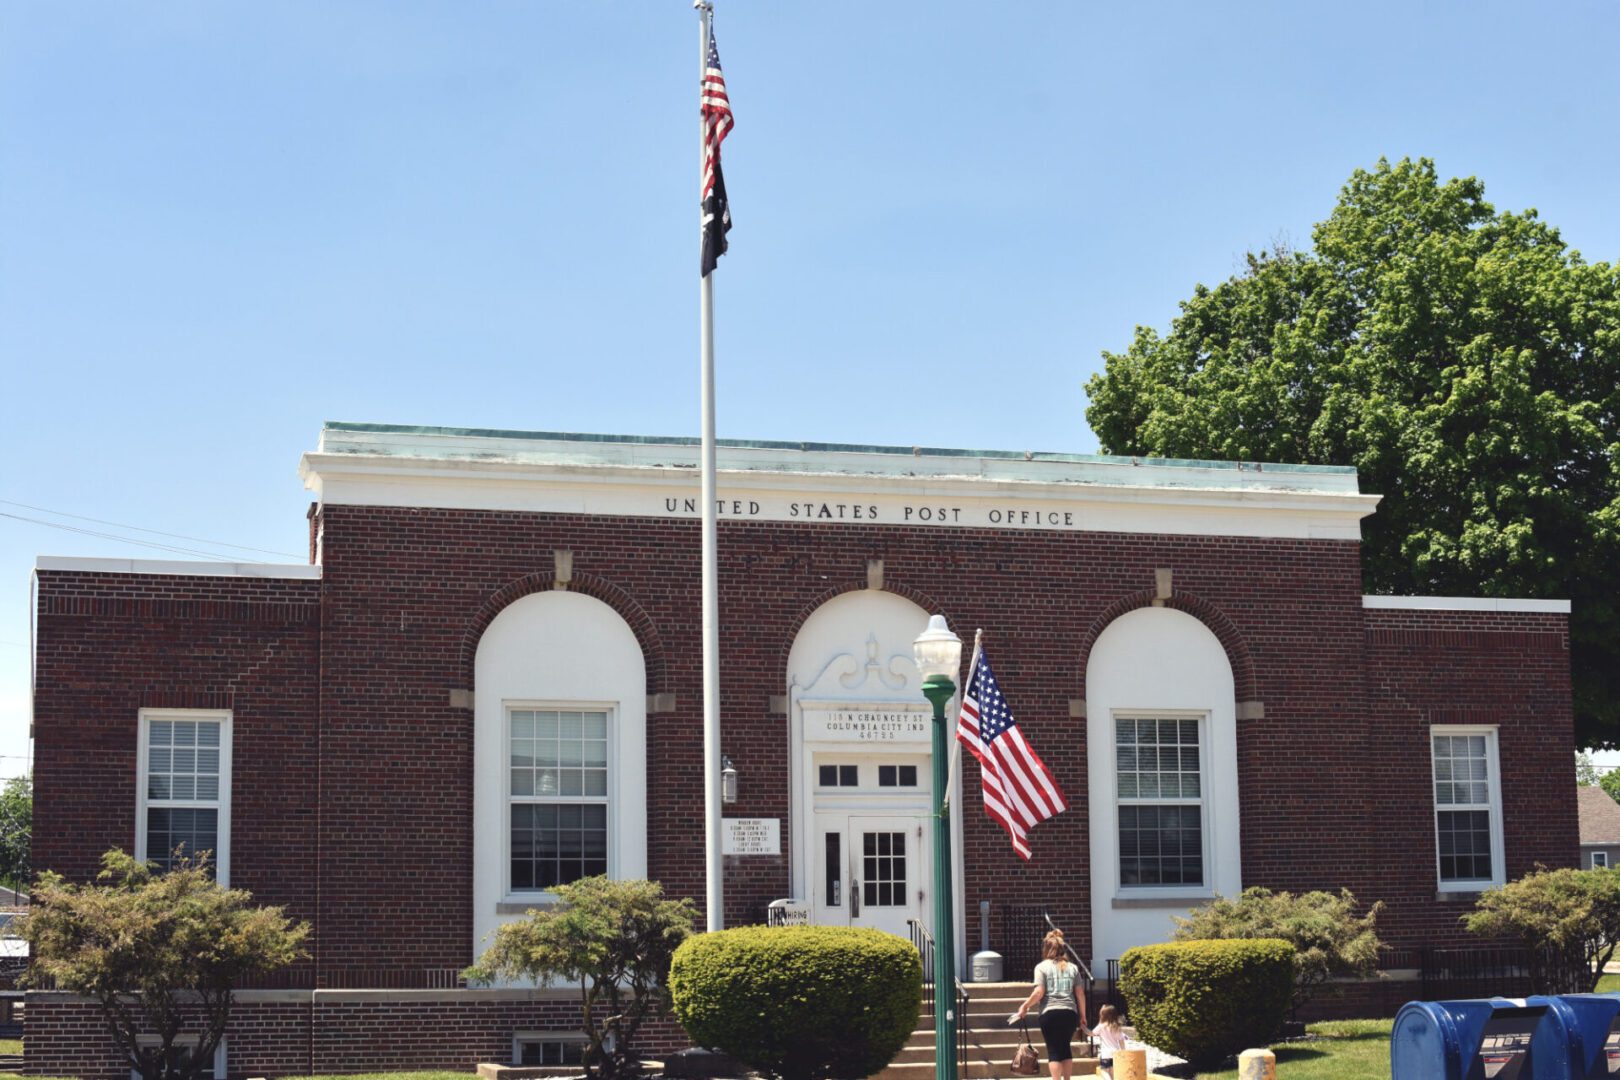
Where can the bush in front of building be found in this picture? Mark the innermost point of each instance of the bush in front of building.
(159, 953)
(613, 938)
(1329, 937)
(1569, 919)
(1207, 1000)
(799, 1002)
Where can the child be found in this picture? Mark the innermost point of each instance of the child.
(1110, 1037)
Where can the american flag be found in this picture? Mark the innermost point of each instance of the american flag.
(717, 124)
(1019, 792)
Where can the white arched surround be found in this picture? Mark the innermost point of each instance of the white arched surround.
(853, 657)
(555, 650)
(1157, 662)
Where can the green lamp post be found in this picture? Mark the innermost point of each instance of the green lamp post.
(939, 659)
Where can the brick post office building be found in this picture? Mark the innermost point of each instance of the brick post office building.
(488, 681)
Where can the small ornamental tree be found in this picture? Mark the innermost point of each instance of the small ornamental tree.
(160, 953)
(614, 938)
(1328, 937)
(1570, 918)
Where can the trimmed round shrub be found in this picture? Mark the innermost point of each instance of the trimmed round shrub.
(799, 1002)
(1208, 1000)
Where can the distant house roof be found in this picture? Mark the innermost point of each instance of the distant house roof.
(1600, 816)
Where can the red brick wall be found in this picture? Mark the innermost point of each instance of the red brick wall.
(332, 1033)
(1334, 777)
(1464, 667)
(110, 645)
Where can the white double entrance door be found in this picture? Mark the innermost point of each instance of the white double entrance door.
(871, 868)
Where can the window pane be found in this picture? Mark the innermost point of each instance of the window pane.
(595, 753)
(847, 776)
(566, 758)
(1160, 845)
(167, 829)
(908, 776)
(1464, 838)
(829, 776)
(887, 776)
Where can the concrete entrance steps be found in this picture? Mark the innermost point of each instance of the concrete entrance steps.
(990, 1041)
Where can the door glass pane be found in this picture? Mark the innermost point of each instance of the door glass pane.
(883, 858)
(835, 869)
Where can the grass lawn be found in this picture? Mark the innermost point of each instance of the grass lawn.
(1608, 984)
(1342, 1050)
(10, 1046)
(390, 1076)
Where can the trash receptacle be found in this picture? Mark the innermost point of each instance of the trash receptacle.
(1486, 1039)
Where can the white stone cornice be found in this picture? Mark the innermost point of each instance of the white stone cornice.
(833, 486)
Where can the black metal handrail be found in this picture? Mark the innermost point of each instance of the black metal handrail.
(923, 941)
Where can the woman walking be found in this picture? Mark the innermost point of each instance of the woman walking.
(1062, 1009)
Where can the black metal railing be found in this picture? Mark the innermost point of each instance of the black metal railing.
(924, 943)
(1023, 930)
(1475, 972)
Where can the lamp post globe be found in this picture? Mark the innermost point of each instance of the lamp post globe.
(938, 653)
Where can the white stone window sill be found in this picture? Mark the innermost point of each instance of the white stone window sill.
(518, 904)
(1162, 899)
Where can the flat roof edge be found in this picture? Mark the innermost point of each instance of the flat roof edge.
(178, 567)
(1466, 603)
(834, 448)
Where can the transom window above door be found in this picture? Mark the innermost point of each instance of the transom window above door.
(890, 775)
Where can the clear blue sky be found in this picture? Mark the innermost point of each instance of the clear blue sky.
(223, 223)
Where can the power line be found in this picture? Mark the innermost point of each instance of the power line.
(112, 536)
(137, 528)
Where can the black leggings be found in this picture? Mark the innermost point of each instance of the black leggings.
(1058, 1025)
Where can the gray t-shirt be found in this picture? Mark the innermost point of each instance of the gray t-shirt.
(1058, 985)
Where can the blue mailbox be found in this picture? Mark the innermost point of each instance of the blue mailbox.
(1487, 1039)
(1594, 1034)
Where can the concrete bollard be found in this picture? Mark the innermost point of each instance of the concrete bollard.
(1130, 1065)
(1257, 1065)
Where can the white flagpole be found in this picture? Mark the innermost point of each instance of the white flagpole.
(714, 891)
(956, 744)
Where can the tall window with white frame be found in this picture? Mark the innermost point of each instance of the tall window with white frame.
(184, 787)
(1467, 807)
(558, 794)
(1159, 771)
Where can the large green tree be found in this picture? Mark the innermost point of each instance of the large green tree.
(1466, 362)
(16, 831)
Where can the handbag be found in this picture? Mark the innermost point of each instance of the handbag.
(1025, 1060)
